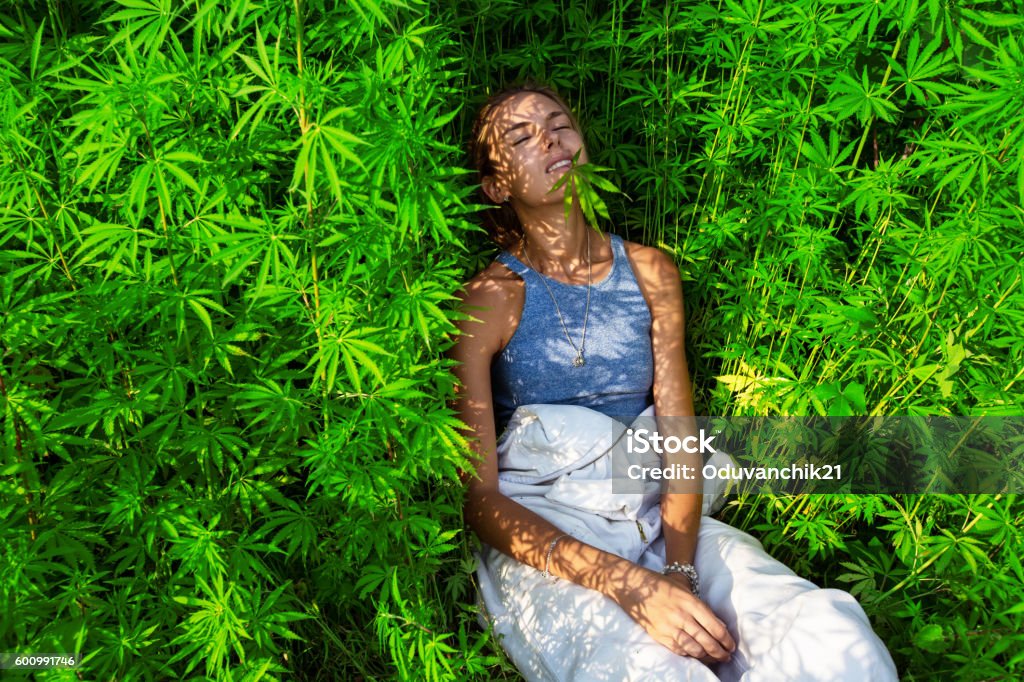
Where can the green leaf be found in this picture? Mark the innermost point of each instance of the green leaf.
(930, 638)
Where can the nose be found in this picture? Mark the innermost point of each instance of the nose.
(549, 138)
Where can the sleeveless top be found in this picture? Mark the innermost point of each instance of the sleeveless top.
(536, 364)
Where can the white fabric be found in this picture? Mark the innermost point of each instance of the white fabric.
(555, 460)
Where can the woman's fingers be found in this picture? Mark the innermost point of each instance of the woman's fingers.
(685, 645)
(714, 626)
(712, 646)
(706, 619)
(673, 616)
(705, 630)
(697, 642)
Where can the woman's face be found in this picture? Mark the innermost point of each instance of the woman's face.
(532, 140)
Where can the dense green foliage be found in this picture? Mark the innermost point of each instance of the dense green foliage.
(230, 236)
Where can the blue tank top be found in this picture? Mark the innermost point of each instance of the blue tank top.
(536, 364)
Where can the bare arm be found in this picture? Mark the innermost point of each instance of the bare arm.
(669, 613)
(659, 280)
(498, 520)
(673, 403)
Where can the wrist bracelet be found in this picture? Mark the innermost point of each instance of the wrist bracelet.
(547, 562)
(689, 570)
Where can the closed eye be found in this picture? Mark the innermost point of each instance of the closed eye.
(527, 137)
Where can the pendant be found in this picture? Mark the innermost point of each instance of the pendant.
(578, 361)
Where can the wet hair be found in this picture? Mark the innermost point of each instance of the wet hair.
(501, 220)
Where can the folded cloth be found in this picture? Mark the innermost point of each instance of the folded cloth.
(556, 460)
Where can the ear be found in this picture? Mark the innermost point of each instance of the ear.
(492, 189)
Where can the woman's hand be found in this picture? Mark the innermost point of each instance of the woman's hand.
(667, 609)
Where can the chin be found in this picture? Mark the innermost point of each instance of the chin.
(555, 198)
(559, 193)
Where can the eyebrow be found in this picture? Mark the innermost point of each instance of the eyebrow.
(553, 114)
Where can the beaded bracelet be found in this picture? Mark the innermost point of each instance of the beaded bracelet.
(547, 562)
(689, 571)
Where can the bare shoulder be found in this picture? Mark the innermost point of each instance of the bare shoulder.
(494, 297)
(491, 287)
(655, 270)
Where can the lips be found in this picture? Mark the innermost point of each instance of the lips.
(563, 163)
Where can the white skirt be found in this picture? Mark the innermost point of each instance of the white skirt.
(785, 627)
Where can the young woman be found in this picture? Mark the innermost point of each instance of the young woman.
(569, 315)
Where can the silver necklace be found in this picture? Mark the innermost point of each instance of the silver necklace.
(577, 361)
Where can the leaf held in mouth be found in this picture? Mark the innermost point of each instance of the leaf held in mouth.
(585, 181)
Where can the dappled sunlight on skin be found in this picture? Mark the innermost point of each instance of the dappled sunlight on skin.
(786, 627)
(546, 616)
(535, 367)
(527, 134)
(610, 618)
(661, 605)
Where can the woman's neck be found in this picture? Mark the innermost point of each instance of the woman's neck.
(556, 246)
